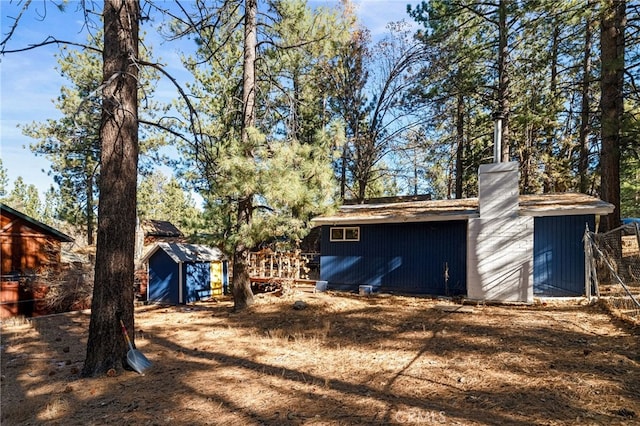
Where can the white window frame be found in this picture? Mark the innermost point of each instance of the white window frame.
(345, 230)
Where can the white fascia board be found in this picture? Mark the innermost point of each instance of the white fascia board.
(574, 211)
(150, 253)
(366, 220)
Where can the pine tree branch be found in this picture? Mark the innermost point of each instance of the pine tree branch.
(193, 114)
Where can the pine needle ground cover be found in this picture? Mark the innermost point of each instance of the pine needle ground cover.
(344, 359)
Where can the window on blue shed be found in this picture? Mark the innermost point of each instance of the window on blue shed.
(345, 234)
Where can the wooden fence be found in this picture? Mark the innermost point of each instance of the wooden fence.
(296, 266)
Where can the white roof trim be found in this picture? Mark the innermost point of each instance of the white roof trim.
(366, 220)
(574, 211)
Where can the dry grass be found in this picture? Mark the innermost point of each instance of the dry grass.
(344, 360)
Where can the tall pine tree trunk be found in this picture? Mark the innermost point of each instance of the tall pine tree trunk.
(549, 182)
(585, 114)
(503, 77)
(113, 285)
(242, 295)
(343, 171)
(460, 144)
(89, 210)
(612, 27)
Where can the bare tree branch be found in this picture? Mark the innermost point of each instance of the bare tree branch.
(194, 119)
(52, 40)
(13, 27)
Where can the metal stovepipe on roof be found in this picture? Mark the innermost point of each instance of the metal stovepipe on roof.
(497, 136)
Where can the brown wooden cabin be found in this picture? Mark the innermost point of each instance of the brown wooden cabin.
(29, 247)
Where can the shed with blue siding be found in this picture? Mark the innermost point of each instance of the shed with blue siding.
(432, 261)
(185, 273)
(428, 247)
(413, 247)
(558, 253)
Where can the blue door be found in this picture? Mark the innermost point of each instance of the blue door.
(163, 279)
(558, 250)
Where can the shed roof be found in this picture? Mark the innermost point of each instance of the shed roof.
(46, 229)
(563, 204)
(181, 252)
(559, 204)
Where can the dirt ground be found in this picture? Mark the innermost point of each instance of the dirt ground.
(344, 360)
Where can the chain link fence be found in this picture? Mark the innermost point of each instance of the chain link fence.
(613, 270)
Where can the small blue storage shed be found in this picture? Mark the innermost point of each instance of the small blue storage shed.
(413, 247)
(184, 273)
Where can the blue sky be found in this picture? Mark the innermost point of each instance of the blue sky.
(29, 81)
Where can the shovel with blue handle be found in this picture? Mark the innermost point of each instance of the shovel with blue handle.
(135, 358)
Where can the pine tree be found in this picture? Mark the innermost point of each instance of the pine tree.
(612, 47)
(349, 100)
(72, 143)
(549, 90)
(257, 179)
(4, 180)
(25, 198)
(459, 88)
(162, 198)
(113, 284)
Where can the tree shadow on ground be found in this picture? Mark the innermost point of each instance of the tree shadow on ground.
(342, 360)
